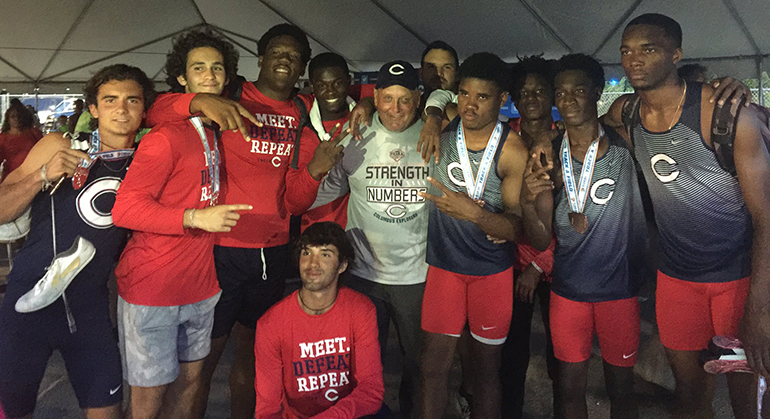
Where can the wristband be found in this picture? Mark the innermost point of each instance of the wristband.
(44, 182)
(539, 269)
(192, 218)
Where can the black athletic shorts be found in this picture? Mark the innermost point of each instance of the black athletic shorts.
(90, 354)
(252, 280)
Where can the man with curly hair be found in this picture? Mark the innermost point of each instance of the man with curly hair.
(167, 283)
(252, 261)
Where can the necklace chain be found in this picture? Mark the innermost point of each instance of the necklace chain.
(317, 310)
(676, 112)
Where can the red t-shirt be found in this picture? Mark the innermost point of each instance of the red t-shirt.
(163, 264)
(337, 210)
(257, 171)
(15, 147)
(358, 91)
(324, 366)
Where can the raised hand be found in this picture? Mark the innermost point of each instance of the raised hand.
(455, 204)
(226, 113)
(216, 219)
(361, 114)
(429, 139)
(536, 181)
(327, 154)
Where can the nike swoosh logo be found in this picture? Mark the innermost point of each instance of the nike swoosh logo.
(487, 328)
(115, 390)
(675, 142)
(630, 355)
(72, 266)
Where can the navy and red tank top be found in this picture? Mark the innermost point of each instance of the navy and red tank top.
(704, 225)
(461, 246)
(86, 212)
(605, 262)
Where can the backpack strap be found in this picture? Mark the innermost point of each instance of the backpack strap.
(723, 123)
(629, 114)
(303, 121)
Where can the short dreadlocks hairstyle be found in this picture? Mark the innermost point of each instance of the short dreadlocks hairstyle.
(531, 65)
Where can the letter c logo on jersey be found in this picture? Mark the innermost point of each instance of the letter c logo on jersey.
(452, 166)
(92, 210)
(599, 184)
(332, 395)
(276, 161)
(664, 178)
(396, 69)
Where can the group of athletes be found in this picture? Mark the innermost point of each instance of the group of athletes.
(430, 211)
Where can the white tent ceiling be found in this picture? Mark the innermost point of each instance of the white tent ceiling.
(54, 44)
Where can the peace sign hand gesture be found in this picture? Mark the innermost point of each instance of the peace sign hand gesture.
(327, 154)
(455, 204)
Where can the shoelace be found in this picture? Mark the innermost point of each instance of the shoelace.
(70, 317)
(761, 388)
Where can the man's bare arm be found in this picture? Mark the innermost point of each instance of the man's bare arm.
(537, 204)
(753, 166)
(23, 184)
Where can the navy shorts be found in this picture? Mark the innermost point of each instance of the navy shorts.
(90, 354)
(252, 280)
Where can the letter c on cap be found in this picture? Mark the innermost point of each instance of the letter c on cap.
(396, 69)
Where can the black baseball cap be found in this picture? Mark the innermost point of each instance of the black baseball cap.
(397, 73)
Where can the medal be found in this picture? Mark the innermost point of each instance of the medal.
(81, 172)
(578, 221)
(578, 194)
(212, 160)
(475, 187)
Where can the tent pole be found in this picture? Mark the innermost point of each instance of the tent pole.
(761, 85)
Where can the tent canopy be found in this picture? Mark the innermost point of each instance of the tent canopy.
(57, 44)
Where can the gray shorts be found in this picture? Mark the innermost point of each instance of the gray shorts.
(154, 340)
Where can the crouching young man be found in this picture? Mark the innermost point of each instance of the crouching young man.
(317, 350)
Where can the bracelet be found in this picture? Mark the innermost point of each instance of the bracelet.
(44, 182)
(192, 218)
(539, 269)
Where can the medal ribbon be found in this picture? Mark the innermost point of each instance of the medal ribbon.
(81, 172)
(211, 161)
(476, 188)
(577, 195)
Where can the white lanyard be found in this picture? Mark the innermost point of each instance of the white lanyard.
(577, 195)
(476, 188)
(212, 162)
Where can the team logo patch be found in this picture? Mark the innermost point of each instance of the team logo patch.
(397, 154)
